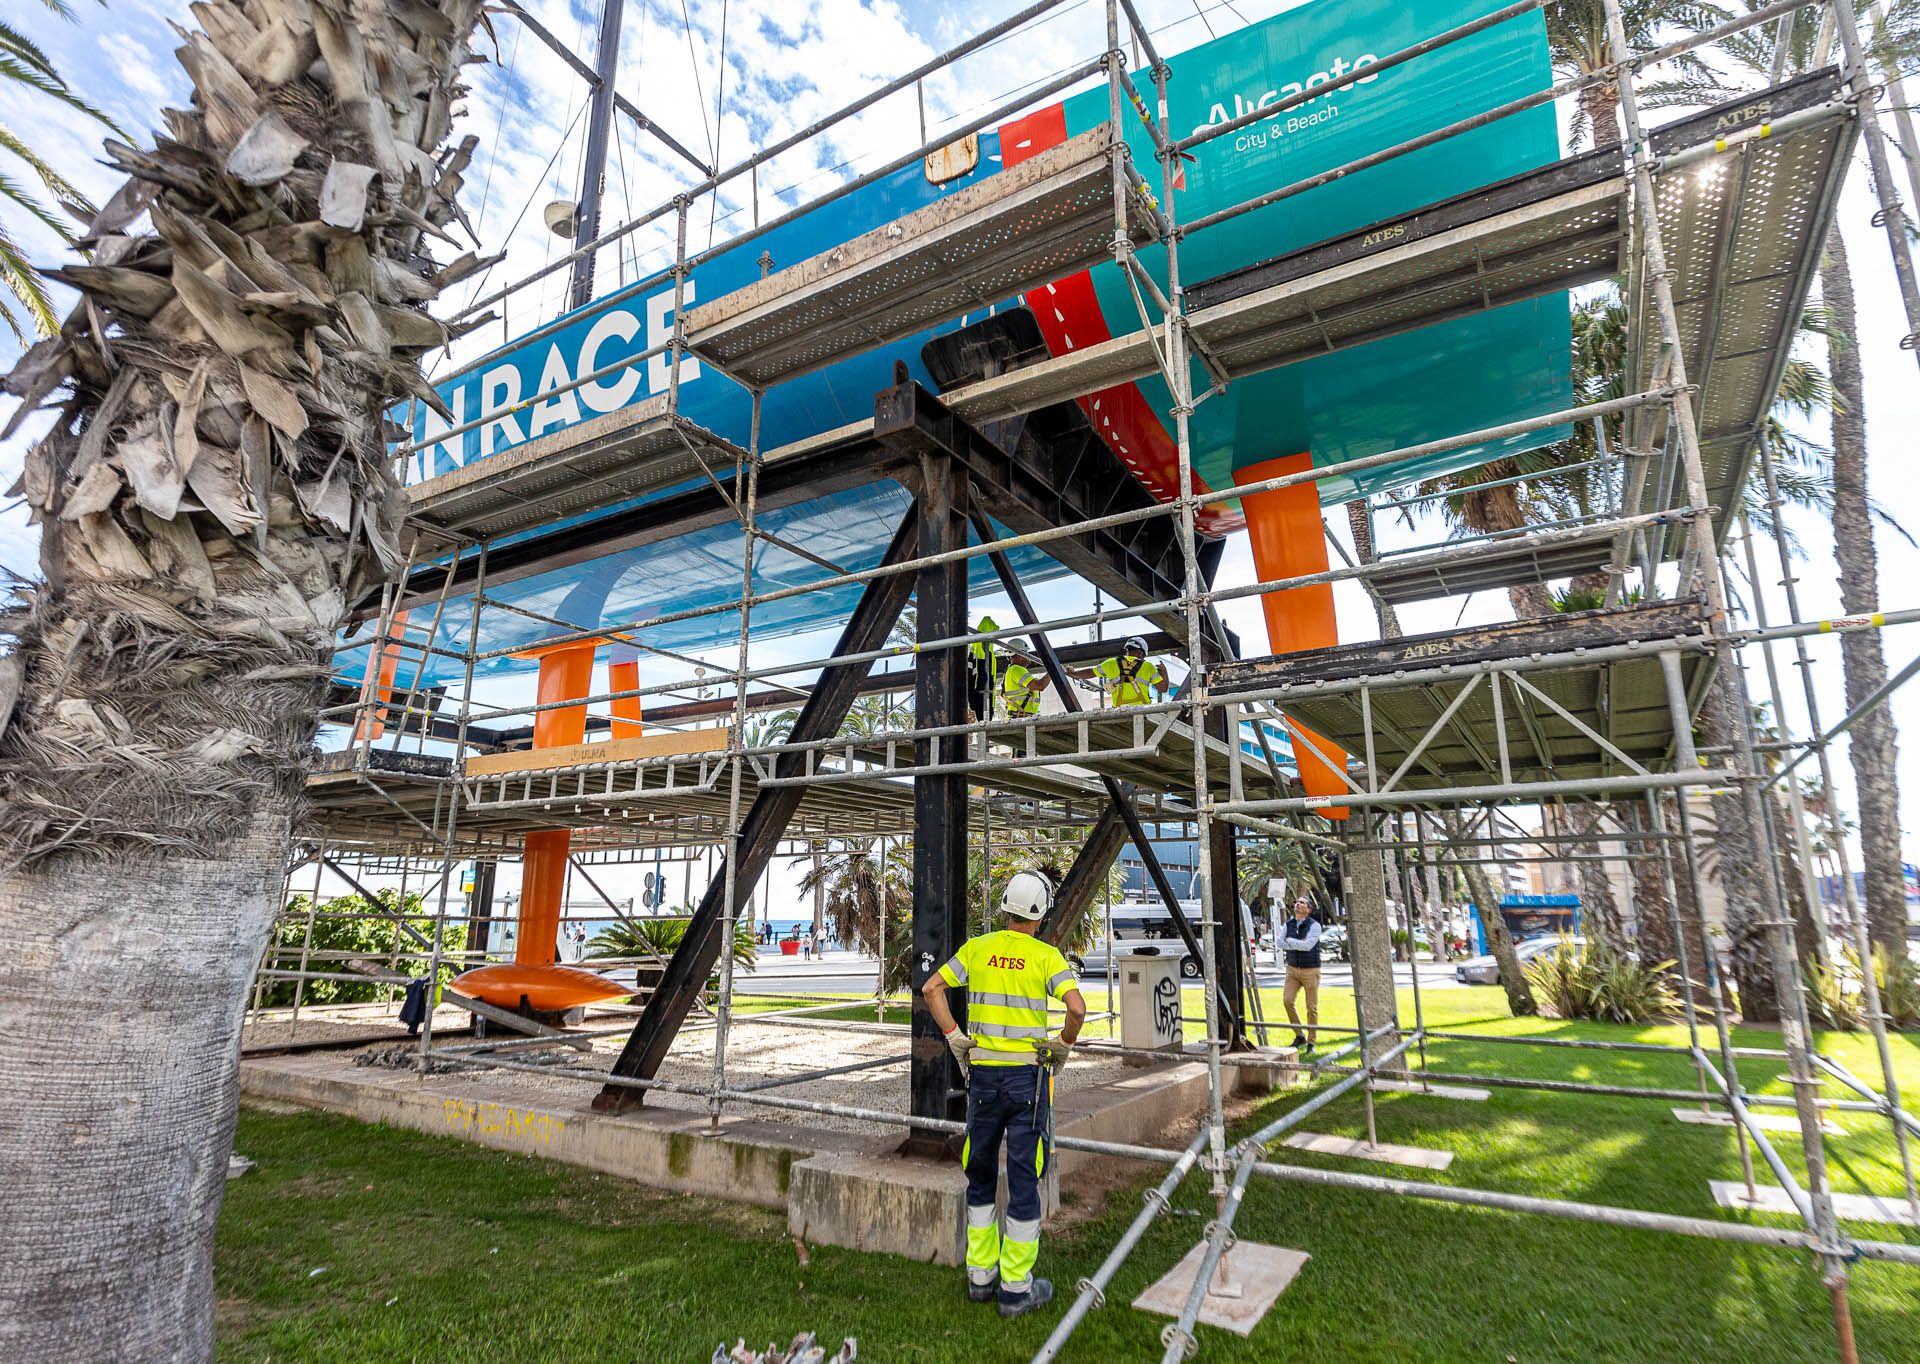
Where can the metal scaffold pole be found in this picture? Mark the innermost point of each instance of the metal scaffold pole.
(1707, 564)
(1856, 919)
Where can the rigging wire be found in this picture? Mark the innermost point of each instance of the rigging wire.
(719, 114)
(699, 96)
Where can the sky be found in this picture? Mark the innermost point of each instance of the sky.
(767, 69)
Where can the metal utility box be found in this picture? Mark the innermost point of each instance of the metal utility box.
(1150, 1003)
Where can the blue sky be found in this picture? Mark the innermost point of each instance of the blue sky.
(787, 65)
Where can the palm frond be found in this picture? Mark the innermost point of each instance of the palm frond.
(18, 274)
(57, 184)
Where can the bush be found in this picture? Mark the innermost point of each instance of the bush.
(348, 931)
(661, 938)
(1594, 982)
(1837, 993)
(1899, 982)
(1835, 997)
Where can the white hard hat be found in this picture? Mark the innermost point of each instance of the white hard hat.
(1028, 896)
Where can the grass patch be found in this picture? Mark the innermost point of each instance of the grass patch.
(435, 1250)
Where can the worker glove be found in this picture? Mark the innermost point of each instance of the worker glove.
(962, 1048)
(1053, 1051)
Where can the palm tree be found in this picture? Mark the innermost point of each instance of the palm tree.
(215, 490)
(1577, 37)
(24, 64)
(1493, 924)
(658, 937)
(868, 890)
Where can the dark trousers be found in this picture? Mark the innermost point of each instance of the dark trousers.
(980, 688)
(1007, 1104)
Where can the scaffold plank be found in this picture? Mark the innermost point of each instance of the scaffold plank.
(1491, 567)
(1602, 668)
(1744, 230)
(1041, 220)
(580, 469)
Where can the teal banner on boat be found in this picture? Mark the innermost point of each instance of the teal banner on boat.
(1466, 375)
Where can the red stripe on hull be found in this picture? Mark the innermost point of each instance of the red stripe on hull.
(1068, 311)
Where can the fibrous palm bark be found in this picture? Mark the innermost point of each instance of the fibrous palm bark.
(1872, 744)
(1493, 924)
(215, 490)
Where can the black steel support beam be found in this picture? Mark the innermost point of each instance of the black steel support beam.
(936, 1089)
(1223, 894)
(1054, 471)
(1118, 798)
(480, 905)
(1086, 878)
(761, 831)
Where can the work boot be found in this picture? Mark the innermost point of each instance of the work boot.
(1039, 1293)
(983, 1292)
(1299, 1040)
(1307, 1050)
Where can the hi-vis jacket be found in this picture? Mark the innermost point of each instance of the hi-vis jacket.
(1129, 687)
(1009, 977)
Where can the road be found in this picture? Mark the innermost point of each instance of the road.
(848, 973)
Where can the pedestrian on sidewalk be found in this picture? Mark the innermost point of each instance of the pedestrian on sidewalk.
(1300, 939)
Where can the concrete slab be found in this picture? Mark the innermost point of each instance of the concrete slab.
(1466, 1093)
(1848, 1207)
(1766, 1122)
(838, 1187)
(1261, 1273)
(746, 1161)
(1356, 1148)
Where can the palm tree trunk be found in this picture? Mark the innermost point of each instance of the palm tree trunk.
(1602, 914)
(215, 493)
(1872, 745)
(1601, 104)
(1360, 525)
(1736, 848)
(1436, 913)
(1655, 928)
(124, 989)
(1493, 925)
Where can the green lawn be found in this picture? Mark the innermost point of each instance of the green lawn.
(434, 1250)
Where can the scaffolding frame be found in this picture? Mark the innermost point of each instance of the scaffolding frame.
(1202, 731)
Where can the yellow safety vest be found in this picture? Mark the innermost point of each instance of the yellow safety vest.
(1013, 689)
(1009, 977)
(1129, 691)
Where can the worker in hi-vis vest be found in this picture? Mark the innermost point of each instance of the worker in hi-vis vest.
(1130, 677)
(1020, 685)
(1009, 1054)
(983, 671)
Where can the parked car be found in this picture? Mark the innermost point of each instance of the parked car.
(1486, 970)
(1094, 960)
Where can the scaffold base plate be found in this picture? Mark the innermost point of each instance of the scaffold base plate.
(1354, 1148)
(1848, 1207)
(1766, 1122)
(1260, 1273)
(1464, 1092)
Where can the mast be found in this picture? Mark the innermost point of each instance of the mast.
(593, 172)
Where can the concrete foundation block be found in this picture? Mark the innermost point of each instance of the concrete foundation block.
(1277, 1074)
(892, 1204)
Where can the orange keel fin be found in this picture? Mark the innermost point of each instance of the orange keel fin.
(1288, 541)
(624, 674)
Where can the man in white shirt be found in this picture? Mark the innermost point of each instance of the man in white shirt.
(1300, 940)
